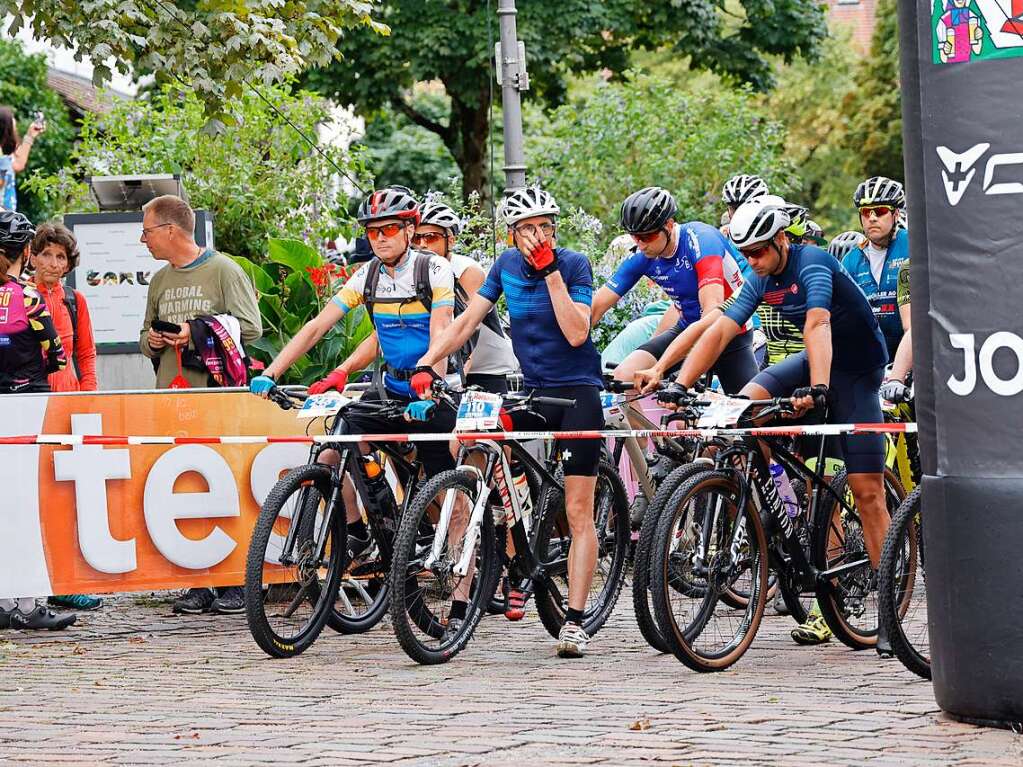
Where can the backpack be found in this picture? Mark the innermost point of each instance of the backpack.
(71, 302)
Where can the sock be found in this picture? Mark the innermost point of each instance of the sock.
(458, 609)
(574, 616)
(358, 530)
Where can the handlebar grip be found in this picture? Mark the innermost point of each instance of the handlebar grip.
(554, 401)
(618, 387)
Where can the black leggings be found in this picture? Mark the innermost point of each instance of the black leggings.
(580, 457)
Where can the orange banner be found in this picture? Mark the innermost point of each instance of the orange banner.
(93, 519)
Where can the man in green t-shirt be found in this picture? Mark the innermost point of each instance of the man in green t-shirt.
(196, 282)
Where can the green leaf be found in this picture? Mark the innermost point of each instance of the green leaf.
(294, 254)
(260, 279)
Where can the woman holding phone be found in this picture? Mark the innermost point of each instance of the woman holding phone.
(14, 153)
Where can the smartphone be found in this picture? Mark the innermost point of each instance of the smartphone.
(40, 120)
(171, 328)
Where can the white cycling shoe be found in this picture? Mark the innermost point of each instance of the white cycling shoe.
(572, 641)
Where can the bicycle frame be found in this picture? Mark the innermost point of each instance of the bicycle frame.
(626, 418)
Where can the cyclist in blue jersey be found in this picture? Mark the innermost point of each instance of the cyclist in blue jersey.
(548, 290)
(404, 326)
(698, 269)
(876, 260)
(845, 352)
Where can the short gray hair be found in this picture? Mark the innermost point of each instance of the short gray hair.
(171, 209)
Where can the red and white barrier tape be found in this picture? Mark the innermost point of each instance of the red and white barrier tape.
(765, 431)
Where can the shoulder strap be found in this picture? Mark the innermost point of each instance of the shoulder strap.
(71, 302)
(424, 291)
(369, 290)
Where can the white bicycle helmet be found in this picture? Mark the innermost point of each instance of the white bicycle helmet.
(879, 190)
(742, 188)
(758, 221)
(526, 203)
(439, 214)
(845, 242)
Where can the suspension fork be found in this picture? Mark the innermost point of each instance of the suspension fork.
(287, 550)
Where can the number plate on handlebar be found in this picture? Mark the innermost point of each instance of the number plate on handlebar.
(611, 402)
(478, 411)
(320, 405)
(722, 412)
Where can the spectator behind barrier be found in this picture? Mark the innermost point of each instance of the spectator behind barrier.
(197, 282)
(14, 154)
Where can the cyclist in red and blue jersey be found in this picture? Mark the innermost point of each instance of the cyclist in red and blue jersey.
(698, 269)
(875, 261)
(845, 352)
(548, 290)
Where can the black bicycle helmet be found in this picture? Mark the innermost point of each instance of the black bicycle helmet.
(879, 190)
(16, 231)
(647, 210)
(390, 202)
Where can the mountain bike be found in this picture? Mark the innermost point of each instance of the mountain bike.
(299, 573)
(725, 529)
(463, 556)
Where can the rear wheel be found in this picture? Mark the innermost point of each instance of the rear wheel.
(902, 592)
(553, 538)
(289, 595)
(704, 545)
(848, 600)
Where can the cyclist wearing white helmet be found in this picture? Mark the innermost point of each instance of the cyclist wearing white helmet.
(549, 290)
(843, 243)
(875, 262)
(742, 188)
(845, 352)
(492, 359)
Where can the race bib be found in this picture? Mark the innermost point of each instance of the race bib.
(611, 402)
(478, 411)
(722, 412)
(320, 405)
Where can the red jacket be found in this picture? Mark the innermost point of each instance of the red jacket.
(84, 350)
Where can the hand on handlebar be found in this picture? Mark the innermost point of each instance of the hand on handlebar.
(261, 385)
(422, 380)
(806, 398)
(672, 395)
(419, 411)
(337, 380)
(647, 380)
(894, 391)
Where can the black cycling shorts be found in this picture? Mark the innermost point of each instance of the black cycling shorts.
(580, 457)
(492, 382)
(854, 400)
(735, 367)
(435, 456)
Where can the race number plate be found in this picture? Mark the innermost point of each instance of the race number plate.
(320, 405)
(478, 411)
(611, 402)
(722, 412)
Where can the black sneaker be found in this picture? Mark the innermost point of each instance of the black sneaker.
(451, 630)
(193, 602)
(5, 618)
(41, 617)
(231, 601)
(357, 546)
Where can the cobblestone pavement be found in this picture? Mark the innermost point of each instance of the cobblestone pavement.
(134, 685)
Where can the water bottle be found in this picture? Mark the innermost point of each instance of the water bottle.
(785, 491)
(380, 493)
(521, 484)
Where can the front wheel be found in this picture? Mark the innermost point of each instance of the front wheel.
(289, 589)
(552, 541)
(902, 593)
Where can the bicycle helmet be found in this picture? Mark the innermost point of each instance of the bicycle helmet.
(16, 231)
(798, 219)
(742, 188)
(526, 203)
(389, 202)
(758, 221)
(845, 242)
(879, 190)
(814, 232)
(647, 210)
(439, 214)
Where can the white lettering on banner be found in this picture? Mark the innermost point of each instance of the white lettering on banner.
(266, 471)
(162, 506)
(984, 360)
(89, 467)
(958, 171)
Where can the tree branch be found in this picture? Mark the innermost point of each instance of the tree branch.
(444, 131)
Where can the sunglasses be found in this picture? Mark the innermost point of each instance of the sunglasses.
(879, 211)
(756, 252)
(387, 230)
(427, 238)
(646, 237)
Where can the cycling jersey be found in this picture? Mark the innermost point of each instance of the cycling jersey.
(902, 291)
(30, 347)
(813, 279)
(546, 356)
(783, 338)
(402, 325)
(493, 354)
(703, 257)
(882, 292)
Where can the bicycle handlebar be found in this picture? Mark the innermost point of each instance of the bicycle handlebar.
(554, 401)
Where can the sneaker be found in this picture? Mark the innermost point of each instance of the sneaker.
(779, 604)
(518, 598)
(231, 601)
(193, 602)
(451, 630)
(814, 631)
(81, 602)
(41, 617)
(356, 546)
(572, 641)
(5, 618)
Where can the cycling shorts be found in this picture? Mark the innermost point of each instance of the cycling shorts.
(435, 456)
(579, 457)
(735, 367)
(492, 382)
(854, 399)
